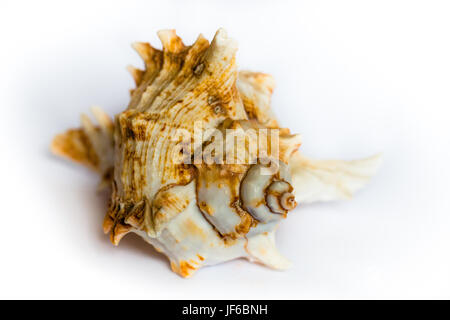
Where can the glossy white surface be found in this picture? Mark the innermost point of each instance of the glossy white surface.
(354, 78)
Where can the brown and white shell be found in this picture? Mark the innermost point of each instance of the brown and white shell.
(200, 213)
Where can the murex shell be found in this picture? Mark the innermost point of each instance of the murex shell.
(197, 212)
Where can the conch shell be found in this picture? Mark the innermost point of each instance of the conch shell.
(210, 201)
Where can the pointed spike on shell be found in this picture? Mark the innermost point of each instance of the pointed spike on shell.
(145, 51)
(135, 217)
(265, 80)
(221, 33)
(120, 231)
(170, 41)
(288, 145)
(221, 39)
(108, 224)
(76, 145)
(87, 124)
(201, 37)
(262, 248)
(183, 268)
(103, 119)
(328, 180)
(137, 74)
(258, 80)
(220, 55)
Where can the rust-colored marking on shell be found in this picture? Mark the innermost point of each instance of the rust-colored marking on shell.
(247, 220)
(206, 208)
(200, 257)
(184, 268)
(193, 229)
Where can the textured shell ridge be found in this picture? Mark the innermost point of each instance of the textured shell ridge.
(205, 209)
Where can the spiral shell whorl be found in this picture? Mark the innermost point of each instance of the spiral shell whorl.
(267, 197)
(279, 197)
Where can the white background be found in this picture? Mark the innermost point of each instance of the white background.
(354, 77)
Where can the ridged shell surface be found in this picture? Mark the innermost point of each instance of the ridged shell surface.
(179, 180)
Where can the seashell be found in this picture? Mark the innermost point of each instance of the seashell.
(180, 181)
